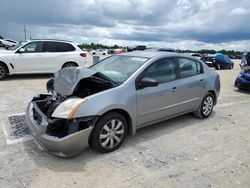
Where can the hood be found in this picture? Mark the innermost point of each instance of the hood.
(246, 73)
(66, 79)
(6, 52)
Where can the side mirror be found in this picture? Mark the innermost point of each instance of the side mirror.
(147, 82)
(21, 50)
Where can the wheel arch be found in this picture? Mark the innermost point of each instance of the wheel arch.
(214, 94)
(125, 114)
(4, 64)
(70, 62)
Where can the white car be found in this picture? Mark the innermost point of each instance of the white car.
(99, 52)
(40, 56)
(7, 43)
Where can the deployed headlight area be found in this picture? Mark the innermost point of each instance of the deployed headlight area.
(44, 107)
(63, 127)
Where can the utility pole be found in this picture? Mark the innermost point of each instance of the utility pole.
(24, 32)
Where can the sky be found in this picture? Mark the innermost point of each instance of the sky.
(182, 24)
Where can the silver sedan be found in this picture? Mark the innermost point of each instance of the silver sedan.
(100, 105)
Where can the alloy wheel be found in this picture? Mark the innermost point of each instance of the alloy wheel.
(2, 72)
(111, 134)
(207, 105)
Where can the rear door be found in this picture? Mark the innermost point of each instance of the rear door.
(191, 85)
(29, 60)
(155, 103)
(55, 55)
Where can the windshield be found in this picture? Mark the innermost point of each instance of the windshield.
(119, 68)
(15, 47)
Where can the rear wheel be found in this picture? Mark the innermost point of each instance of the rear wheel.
(206, 107)
(3, 71)
(109, 132)
(70, 64)
(217, 67)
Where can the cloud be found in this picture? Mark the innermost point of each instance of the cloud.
(187, 23)
(240, 11)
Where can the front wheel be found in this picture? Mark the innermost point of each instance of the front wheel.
(217, 67)
(3, 72)
(109, 132)
(206, 107)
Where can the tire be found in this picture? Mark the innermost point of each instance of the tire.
(217, 67)
(3, 72)
(103, 54)
(113, 128)
(70, 64)
(206, 107)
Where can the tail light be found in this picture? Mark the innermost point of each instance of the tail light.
(83, 54)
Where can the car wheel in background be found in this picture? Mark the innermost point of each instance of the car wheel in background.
(103, 54)
(3, 71)
(217, 67)
(70, 64)
(206, 107)
(109, 132)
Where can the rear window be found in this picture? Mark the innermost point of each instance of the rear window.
(189, 67)
(57, 47)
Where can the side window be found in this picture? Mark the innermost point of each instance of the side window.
(67, 47)
(33, 47)
(57, 47)
(163, 71)
(189, 67)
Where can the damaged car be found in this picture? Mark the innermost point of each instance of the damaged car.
(99, 106)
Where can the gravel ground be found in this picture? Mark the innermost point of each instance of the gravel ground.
(181, 152)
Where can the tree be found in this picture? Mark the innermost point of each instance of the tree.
(1, 37)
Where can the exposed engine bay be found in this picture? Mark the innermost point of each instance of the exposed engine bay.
(81, 85)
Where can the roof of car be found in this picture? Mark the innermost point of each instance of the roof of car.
(57, 40)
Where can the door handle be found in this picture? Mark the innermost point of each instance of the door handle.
(174, 89)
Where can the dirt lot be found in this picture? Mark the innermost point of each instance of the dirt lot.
(182, 152)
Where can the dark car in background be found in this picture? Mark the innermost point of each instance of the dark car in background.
(220, 61)
(209, 62)
(243, 80)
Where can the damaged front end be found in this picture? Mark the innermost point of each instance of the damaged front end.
(60, 132)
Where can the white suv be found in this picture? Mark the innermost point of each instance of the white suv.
(7, 43)
(40, 56)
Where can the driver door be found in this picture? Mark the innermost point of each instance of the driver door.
(159, 102)
(28, 58)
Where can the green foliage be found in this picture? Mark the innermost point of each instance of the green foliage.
(231, 53)
(98, 46)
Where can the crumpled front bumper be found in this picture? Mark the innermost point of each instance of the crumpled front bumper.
(64, 147)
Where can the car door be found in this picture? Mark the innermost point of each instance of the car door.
(55, 55)
(159, 102)
(28, 58)
(191, 83)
